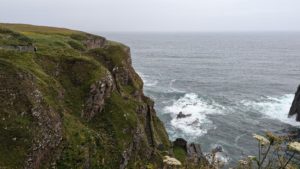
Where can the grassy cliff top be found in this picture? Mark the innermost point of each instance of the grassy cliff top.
(39, 29)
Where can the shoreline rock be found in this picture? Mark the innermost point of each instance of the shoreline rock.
(295, 107)
(181, 115)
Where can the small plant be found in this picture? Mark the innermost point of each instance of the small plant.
(272, 153)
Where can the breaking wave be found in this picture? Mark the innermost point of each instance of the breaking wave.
(196, 123)
(147, 81)
(274, 108)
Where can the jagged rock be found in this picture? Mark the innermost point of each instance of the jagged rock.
(94, 42)
(180, 142)
(193, 151)
(295, 108)
(218, 149)
(181, 115)
(97, 95)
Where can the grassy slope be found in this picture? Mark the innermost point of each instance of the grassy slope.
(62, 64)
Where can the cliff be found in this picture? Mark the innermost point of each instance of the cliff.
(295, 108)
(70, 99)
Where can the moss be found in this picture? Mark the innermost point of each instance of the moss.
(121, 114)
(77, 80)
(160, 133)
(179, 153)
(77, 143)
(114, 54)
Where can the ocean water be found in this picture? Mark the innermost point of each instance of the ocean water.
(231, 84)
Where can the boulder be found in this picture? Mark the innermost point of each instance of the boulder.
(181, 115)
(180, 142)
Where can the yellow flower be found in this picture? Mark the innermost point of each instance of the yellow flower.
(171, 161)
(261, 139)
(294, 146)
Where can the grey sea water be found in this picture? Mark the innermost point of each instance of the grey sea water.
(231, 84)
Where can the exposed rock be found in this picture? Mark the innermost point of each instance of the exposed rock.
(193, 151)
(295, 108)
(94, 42)
(180, 142)
(50, 134)
(97, 95)
(26, 101)
(218, 149)
(181, 115)
(134, 146)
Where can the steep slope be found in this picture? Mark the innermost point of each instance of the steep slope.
(295, 108)
(74, 103)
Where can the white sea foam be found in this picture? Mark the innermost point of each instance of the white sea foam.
(150, 83)
(275, 108)
(147, 80)
(222, 158)
(172, 88)
(197, 123)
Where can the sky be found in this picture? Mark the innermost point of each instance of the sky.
(156, 15)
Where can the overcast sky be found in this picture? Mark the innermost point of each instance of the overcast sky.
(156, 15)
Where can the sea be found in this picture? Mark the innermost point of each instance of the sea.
(229, 84)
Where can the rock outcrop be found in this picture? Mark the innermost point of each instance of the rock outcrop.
(295, 108)
(180, 115)
(93, 42)
(192, 150)
(99, 91)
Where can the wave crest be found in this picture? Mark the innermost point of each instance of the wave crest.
(197, 123)
(274, 108)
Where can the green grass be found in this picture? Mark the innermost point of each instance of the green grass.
(11, 38)
(76, 45)
(179, 153)
(16, 130)
(39, 29)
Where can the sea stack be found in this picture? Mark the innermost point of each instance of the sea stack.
(295, 108)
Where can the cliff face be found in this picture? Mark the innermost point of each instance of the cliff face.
(295, 108)
(74, 103)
